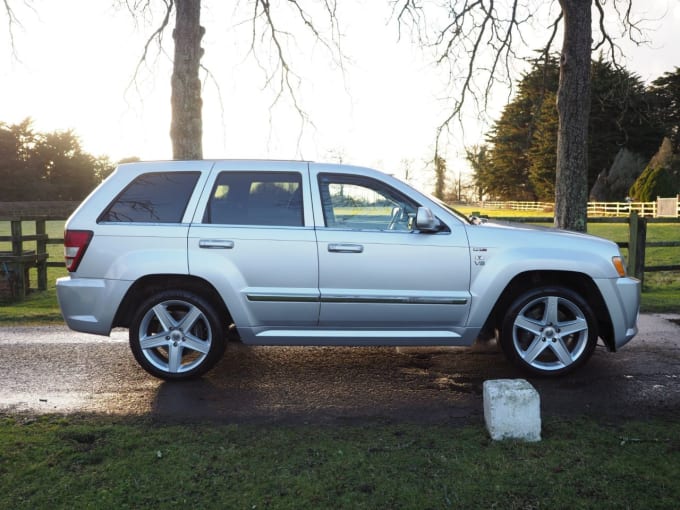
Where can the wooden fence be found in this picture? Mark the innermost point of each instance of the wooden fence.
(15, 264)
(663, 207)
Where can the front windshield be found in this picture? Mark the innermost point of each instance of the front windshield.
(439, 202)
(446, 206)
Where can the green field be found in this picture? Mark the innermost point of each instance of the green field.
(661, 292)
(99, 463)
(39, 307)
(104, 462)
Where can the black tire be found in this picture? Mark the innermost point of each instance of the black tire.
(177, 335)
(549, 331)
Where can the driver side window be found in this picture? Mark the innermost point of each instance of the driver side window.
(358, 203)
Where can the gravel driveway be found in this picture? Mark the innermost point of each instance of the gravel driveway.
(54, 370)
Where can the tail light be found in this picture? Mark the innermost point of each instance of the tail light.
(75, 244)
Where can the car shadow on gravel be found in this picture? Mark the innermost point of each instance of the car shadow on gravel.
(317, 384)
(299, 385)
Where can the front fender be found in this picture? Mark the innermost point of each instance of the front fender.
(493, 268)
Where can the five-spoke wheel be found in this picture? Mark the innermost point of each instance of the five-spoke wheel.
(549, 331)
(176, 335)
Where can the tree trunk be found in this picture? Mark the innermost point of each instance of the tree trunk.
(186, 130)
(440, 177)
(573, 107)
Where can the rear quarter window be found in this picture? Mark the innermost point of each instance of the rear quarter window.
(153, 198)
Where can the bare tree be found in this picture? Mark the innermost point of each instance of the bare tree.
(573, 108)
(274, 27)
(186, 128)
(440, 177)
(407, 167)
(481, 41)
(271, 41)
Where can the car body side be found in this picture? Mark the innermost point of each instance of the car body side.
(293, 286)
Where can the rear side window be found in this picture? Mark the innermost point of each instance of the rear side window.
(260, 198)
(153, 198)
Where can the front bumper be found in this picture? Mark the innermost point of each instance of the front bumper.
(622, 297)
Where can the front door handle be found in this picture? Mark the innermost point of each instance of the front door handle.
(345, 248)
(216, 244)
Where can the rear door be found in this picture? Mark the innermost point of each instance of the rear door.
(255, 243)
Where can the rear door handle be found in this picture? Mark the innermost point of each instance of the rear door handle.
(345, 248)
(216, 244)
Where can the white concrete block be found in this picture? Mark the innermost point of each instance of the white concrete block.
(512, 410)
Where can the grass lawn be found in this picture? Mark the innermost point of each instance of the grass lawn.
(54, 462)
(101, 462)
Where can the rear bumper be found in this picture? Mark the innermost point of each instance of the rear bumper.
(88, 304)
(622, 296)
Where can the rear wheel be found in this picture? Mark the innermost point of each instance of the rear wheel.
(549, 331)
(176, 335)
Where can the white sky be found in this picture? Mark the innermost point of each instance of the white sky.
(76, 59)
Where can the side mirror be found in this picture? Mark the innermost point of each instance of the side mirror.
(426, 221)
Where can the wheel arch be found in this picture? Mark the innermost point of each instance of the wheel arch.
(151, 284)
(577, 282)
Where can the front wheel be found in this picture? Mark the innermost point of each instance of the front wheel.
(549, 331)
(176, 335)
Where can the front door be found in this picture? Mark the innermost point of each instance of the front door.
(375, 270)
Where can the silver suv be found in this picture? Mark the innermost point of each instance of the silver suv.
(188, 253)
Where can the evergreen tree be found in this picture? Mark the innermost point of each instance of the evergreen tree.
(620, 116)
(614, 185)
(524, 139)
(45, 166)
(511, 136)
(68, 171)
(510, 140)
(542, 152)
(665, 98)
(661, 178)
(18, 172)
(478, 157)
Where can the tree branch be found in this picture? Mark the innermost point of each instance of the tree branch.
(472, 26)
(13, 22)
(416, 14)
(156, 36)
(266, 28)
(605, 38)
(480, 40)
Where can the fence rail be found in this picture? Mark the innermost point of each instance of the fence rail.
(15, 264)
(646, 209)
(517, 206)
(18, 261)
(663, 207)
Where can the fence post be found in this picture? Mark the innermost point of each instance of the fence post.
(636, 246)
(41, 248)
(18, 251)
